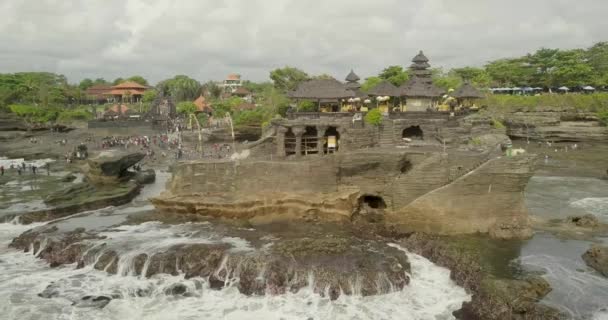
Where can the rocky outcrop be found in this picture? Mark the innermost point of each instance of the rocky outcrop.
(145, 177)
(330, 264)
(488, 199)
(585, 221)
(493, 298)
(597, 258)
(111, 166)
(266, 207)
(555, 126)
(10, 122)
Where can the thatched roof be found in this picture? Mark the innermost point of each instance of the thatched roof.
(467, 91)
(417, 87)
(321, 89)
(420, 58)
(352, 76)
(384, 88)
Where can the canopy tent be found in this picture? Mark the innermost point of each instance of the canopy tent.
(588, 88)
(563, 88)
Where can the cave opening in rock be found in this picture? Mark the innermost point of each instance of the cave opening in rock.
(374, 202)
(309, 141)
(290, 142)
(413, 132)
(405, 166)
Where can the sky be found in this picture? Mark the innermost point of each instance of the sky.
(207, 39)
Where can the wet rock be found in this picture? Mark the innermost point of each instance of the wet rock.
(597, 258)
(68, 178)
(145, 176)
(92, 302)
(585, 221)
(177, 289)
(112, 164)
(51, 291)
(107, 262)
(69, 193)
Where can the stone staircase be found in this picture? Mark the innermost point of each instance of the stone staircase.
(387, 134)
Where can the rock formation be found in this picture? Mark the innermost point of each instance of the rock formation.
(597, 258)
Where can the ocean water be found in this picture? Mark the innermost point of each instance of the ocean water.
(430, 295)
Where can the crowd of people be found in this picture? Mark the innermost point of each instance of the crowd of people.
(24, 168)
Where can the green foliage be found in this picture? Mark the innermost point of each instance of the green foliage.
(149, 96)
(287, 78)
(85, 84)
(35, 114)
(138, 79)
(370, 83)
(584, 102)
(212, 90)
(602, 115)
(118, 81)
(374, 117)
(394, 74)
(253, 117)
(497, 124)
(186, 107)
(181, 88)
(446, 80)
(307, 106)
(202, 119)
(74, 115)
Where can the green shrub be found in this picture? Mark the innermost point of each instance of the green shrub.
(603, 116)
(583, 102)
(374, 117)
(74, 115)
(497, 124)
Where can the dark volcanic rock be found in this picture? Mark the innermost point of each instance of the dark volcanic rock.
(177, 289)
(145, 177)
(597, 258)
(92, 302)
(111, 166)
(586, 221)
(68, 178)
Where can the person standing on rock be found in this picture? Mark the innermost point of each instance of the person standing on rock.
(48, 168)
(23, 166)
(1, 170)
(34, 169)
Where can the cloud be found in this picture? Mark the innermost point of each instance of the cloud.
(207, 39)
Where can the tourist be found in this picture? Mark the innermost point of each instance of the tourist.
(1, 170)
(34, 169)
(19, 171)
(48, 168)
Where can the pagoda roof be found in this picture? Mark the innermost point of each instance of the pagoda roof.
(384, 88)
(352, 76)
(321, 89)
(417, 87)
(467, 90)
(420, 58)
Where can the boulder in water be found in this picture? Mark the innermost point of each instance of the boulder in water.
(68, 178)
(177, 289)
(92, 302)
(585, 221)
(111, 165)
(597, 258)
(145, 177)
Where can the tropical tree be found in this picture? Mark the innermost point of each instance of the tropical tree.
(149, 96)
(370, 83)
(211, 89)
(85, 84)
(394, 74)
(287, 78)
(180, 88)
(186, 107)
(138, 79)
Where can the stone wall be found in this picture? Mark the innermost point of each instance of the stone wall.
(488, 199)
(555, 126)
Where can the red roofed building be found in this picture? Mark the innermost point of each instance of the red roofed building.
(98, 92)
(202, 105)
(232, 82)
(129, 90)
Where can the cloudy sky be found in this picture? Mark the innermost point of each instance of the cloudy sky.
(207, 39)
